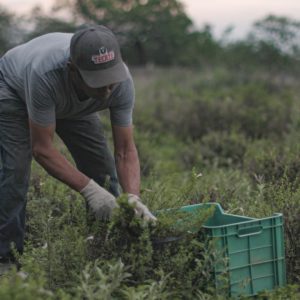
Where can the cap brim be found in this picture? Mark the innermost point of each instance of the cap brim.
(101, 78)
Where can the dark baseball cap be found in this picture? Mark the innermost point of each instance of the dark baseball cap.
(96, 53)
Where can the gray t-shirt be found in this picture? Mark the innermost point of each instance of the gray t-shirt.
(38, 72)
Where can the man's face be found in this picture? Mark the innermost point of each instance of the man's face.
(102, 93)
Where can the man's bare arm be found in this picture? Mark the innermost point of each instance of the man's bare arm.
(127, 161)
(52, 160)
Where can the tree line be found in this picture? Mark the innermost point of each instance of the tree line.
(160, 32)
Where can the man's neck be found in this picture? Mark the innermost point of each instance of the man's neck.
(80, 93)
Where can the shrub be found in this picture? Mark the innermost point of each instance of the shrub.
(222, 149)
(149, 250)
(270, 161)
(194, 109)
(283, 197)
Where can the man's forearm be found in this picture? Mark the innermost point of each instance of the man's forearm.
(128, 168)
(60, 168)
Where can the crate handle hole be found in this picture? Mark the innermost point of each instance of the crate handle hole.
(249, 231)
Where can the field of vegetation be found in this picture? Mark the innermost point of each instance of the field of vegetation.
(202, 135)
(216, 120)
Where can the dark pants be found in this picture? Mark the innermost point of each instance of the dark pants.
(83, 137)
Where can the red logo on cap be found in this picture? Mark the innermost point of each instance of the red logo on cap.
(103, 56)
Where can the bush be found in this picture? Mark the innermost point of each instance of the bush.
(269, 161)
(282, 197)
(222, 149)
(193, 109)
(120, 258)
(144, 249)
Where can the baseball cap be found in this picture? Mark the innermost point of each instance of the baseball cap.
(96, 53)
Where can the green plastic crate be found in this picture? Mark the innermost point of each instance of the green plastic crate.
(252, 248)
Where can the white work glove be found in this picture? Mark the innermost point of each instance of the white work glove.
(141, 210)
(100, 201)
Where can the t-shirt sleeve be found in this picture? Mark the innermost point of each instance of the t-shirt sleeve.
(39, 100)
(121, 108)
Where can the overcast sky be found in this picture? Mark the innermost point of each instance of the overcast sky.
(219, 13)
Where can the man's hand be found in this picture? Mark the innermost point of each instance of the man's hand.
(141, 210)
(99, 200)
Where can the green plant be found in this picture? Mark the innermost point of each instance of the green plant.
(223, 149)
